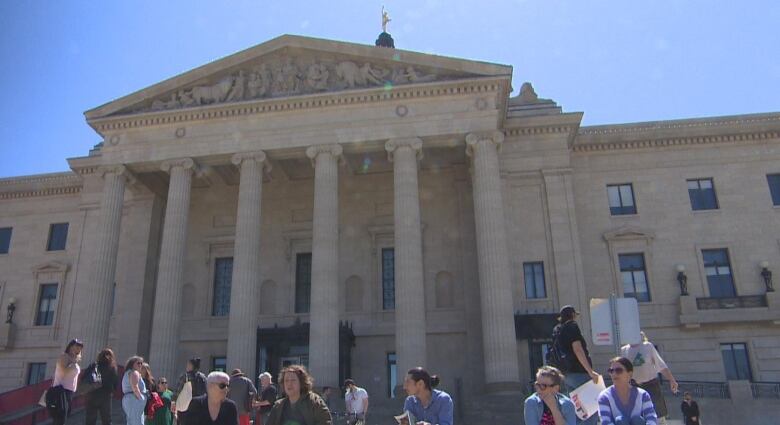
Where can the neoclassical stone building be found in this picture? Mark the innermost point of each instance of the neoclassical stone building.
(364, 210)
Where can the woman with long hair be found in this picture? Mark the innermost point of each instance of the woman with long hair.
(134, 390)
(428, 405)
(66, 376)
(99, 399)
(623, 403)
(300, 403)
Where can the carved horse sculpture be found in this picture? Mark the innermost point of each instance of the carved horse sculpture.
(214, 93)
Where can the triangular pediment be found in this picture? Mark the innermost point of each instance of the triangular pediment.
(293, 66)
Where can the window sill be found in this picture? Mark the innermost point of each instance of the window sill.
(712, 211)
(624, 215)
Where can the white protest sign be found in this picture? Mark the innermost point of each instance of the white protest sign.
(601, 321)
(586, 398)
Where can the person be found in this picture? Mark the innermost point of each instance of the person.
(163, 415)
(268, 395)
(213, 408)
(147, 376)
(196, 378)
(327, 395)
(66, 377)
(300, 405)
(647, 365)
(547, 406)
(99, 399)
(623, 403)
(356, 400)
(428, 405)
(576, 366)
(242, 392)
(134, 391)
(690, 410)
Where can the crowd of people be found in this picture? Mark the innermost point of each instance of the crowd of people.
(634, 398)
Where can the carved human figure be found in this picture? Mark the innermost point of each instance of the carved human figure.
(385, 19)
(410, 75)
(317, 76)
(237, 92)
(286, 77)
(259, 81)
(185, 98)
(373, 75)
(172, 103)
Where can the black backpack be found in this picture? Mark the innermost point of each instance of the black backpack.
(90, 380)
(557, 356)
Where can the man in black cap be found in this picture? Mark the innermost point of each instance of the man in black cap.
(569, 353)
(242, 391)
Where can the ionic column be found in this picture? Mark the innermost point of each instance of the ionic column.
(170, 274)
(324, 318)
(498, 326)
(98, 302)
(410, 332)
(242, 325)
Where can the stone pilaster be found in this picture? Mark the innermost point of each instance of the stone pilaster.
(324, 319)
(410, 330)
(242, 325)
(498, 326)
(98, 301)
(170, 274)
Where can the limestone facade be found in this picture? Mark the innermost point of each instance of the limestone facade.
(323, 163)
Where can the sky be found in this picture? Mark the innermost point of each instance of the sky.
(616, 61)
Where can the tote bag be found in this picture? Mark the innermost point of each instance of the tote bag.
(184, 398)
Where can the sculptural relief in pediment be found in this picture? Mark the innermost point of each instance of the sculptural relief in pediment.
(284, 75)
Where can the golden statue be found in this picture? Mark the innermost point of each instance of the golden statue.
(385, 19)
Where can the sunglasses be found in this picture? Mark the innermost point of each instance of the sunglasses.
(543, 386)
(615, 370)
(223, 385)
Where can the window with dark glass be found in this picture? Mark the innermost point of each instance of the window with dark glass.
(621, 199)
(58, 236)
(717, 267)
(774, 187)
(303, 282)
(47, 302)
(534, 280)
(634, 276)
(223, 276)
(5, 239)
(736, 362)
(388, 278)
(219, 364)
(702, 194)
(392, 377)
(36, 372)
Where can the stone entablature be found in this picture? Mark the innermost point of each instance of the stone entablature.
(66, 183)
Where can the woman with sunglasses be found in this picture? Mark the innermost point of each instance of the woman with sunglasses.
(213, 408)
(623, 403)
(547, 406)
(134, 391)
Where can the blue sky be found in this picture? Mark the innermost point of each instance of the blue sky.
(618, 61)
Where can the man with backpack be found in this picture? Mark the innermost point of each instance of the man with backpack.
(242, 391)
(569, 353)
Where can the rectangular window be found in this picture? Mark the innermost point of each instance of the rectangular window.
(702, 194)
(5, 239)
(47, 302)
(58, 236)
(36, 372)
(717, 267)
(774, 188)
(534, 280)
(219, 364)
(736, 362)
(634, 276)
(392, 376)
(388, 278)
(621, 199)
(303, 282)
(223, 276)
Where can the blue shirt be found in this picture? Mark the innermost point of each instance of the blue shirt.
(534, 408)
(438, 412)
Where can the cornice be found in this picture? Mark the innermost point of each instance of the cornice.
(527, 131)
(681, 124)
(676, 141)
(297, 103)
(66, 183)
(69, 190)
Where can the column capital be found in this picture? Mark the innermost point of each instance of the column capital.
(472, 139)
(258, 156)
(118, 169)
(313, 151)
(414, 143)
(186, 163)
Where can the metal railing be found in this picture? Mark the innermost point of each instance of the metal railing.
(765, 389)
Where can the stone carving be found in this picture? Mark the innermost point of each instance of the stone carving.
(286, 76)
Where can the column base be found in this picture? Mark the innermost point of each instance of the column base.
(500, 387)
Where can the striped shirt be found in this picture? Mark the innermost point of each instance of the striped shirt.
(612, 411)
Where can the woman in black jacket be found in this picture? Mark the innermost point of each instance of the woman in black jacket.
(99, 399)
(690, 410)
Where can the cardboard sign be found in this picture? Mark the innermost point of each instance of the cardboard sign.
(586, 398)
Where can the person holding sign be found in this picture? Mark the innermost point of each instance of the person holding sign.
(622, 403)
(547, 406)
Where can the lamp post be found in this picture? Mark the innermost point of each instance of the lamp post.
(682, 279)
(766, 274)
(11, 309)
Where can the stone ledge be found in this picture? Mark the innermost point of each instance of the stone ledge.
(692, 317)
